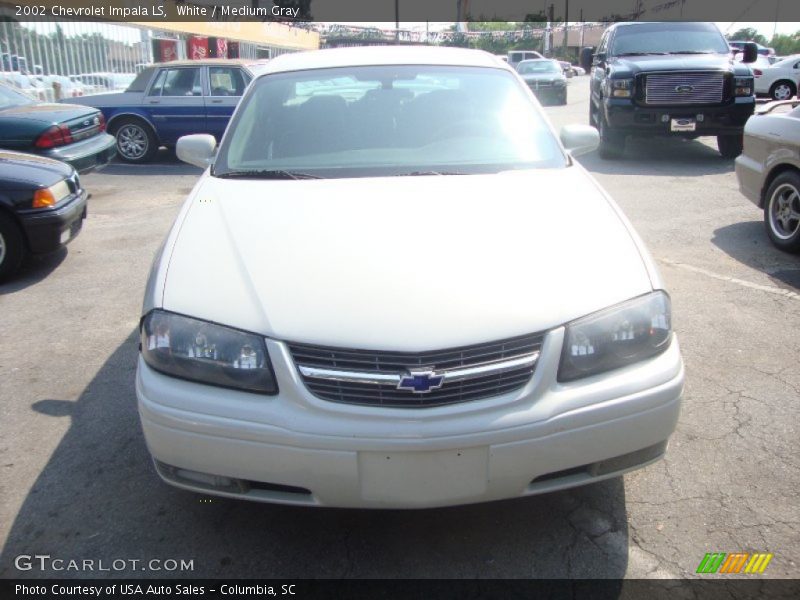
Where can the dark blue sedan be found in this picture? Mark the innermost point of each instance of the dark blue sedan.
(170, 100)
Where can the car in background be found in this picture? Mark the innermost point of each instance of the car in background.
(673, 78)
(578, 70)
(738, 46)
(566, 67)
(42, 207)
(545, 78)
(110, 82)
(286, 358)
(517, 56)
(62, 86)
(28, 85)
(779, 80)
(67, 132)
(768, 170)
(170, 100)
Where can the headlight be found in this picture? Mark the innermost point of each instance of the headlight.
(47, 197)
(616, 337)
(743, 86)
(207, 353)
(621, 88)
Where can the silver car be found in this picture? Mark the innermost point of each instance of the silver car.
(768, 170)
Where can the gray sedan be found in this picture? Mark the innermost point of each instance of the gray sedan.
(769, 170)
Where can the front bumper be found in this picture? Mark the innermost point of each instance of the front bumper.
(297, 449)
(48, 230)
(629, 118)
(89, 154)
(750, 174)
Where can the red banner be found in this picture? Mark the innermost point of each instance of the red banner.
(197, 47)
(167, 50)
(222, 48)
(233, 49)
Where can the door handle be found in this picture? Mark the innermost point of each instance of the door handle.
(216, 102)
(155, 101)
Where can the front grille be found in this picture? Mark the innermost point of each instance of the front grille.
(394, 363)
(684, 88)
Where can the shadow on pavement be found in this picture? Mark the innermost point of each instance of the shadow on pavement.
(33, 270)
(164, 163)
(99, 498)
(748, 243)
(671, 157)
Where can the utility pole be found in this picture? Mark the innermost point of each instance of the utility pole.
(583, 27)
(396, 19)
(548, 48)
(566, 26)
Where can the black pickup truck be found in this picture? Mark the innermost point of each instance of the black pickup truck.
(669, 78)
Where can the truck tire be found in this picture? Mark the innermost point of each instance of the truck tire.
(612, 143)
(730, 146)
(12, 246)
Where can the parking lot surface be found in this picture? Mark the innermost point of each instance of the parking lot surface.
(77, 482)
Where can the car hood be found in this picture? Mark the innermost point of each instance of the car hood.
(677, 62)
(20, 171)
(401, 263)
(48, 113)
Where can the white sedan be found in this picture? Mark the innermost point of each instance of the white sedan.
(395, 287)
(779, 80)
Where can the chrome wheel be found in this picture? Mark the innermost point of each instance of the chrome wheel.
(784, 212)
(782, 91)
(132, 141)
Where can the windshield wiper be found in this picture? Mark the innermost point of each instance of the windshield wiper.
(422, 173)
(642, 53)
(266, 174)
(694, 52)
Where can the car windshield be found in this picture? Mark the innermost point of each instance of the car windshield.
(668, 38)
(538, 66)
(10, 98)
(387, 120)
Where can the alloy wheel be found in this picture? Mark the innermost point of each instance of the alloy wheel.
(784, 212)
(132, 141)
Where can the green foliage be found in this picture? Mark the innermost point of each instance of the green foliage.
(747, 34)
(786, 44)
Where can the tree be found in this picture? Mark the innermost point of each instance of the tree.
(747, 34)
(785, 45)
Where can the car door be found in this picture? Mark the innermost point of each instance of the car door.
(598, 72)
(226, 84)
(175, 104)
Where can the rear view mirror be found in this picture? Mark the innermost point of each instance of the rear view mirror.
(579, 139)
(749, 52)
(197, 149)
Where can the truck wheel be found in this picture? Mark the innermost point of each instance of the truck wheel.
(782, 90)
(12, 247)
(782, 212)
(730, 146)
(136, 142)
(612, 143)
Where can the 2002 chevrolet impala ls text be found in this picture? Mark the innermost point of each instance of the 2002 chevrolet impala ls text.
(394, 287)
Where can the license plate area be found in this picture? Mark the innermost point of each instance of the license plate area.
(420, 477)
(687, 124)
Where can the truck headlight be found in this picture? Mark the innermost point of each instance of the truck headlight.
(743, 86)
(621, 88)
(206, 352)
(616, 337)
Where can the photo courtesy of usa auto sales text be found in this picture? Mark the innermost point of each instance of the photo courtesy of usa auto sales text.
(135, 589)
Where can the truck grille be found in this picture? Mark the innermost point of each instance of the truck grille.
(684, 88)
(342, 375)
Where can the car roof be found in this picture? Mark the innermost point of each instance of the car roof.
(383, 55)
(207, 62)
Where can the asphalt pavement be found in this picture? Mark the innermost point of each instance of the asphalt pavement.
(76, 482)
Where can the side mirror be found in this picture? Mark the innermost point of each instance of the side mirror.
(599, 58)
(579, 139)
(197, 149)
(586, 58)
(749, 52)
